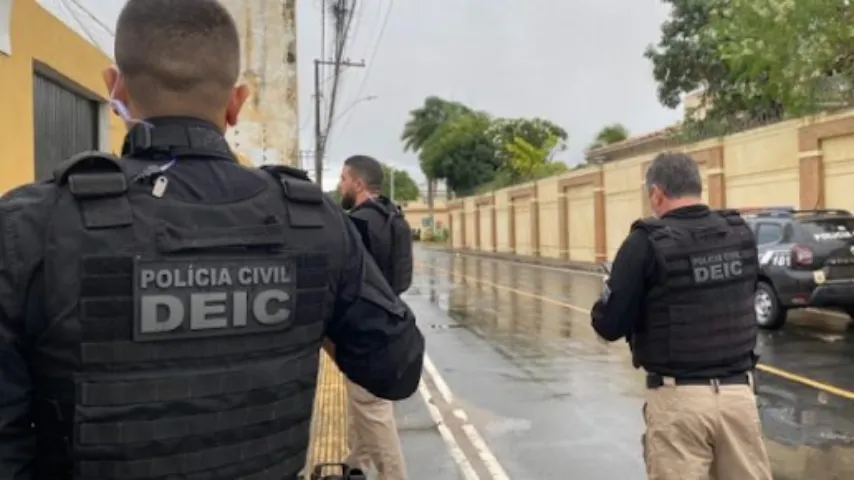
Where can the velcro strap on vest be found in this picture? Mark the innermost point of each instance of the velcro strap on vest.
(94, 185)
(279, 171)
(303, 192)
(174, 240)
(304, 199)
(100, 185)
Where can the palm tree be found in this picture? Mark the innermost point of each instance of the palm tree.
(422, 124)
(609, 134)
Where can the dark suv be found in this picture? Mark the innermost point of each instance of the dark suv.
(806, 259)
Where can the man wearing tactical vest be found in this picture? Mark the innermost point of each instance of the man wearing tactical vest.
(373, 436)
(161, 315)
(681, 293)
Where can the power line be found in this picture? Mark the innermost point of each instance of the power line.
(63, 5)
(93, 17)
(343, 21)
(373, 55)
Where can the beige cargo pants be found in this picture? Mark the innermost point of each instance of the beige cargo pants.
(373, 434)
(702, 432)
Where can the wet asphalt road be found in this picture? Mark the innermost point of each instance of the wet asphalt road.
(514, 360)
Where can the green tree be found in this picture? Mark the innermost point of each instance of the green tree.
(421, 125)
(534, 131)
(610, 134)
(405, 188)
(527, 162)
(681, 62)
(802, 50)
(461, 153)
(688, 58)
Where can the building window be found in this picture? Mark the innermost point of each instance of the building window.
(66, 123)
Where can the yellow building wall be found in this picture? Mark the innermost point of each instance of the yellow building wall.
(839, 172)
(522, 210)
(486, 240)
(502, 222)
(470, 209)
(415, 213)
(580, 222)
(547, 203)
(623, 190)
(38, 36)
(756, 159)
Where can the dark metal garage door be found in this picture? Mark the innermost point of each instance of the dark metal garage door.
(65, 123)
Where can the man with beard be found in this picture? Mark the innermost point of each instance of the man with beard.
(373, 433)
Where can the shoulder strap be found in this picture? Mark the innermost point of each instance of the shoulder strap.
(372, 204)
(303, 197)
(733, 217)
(100, 185)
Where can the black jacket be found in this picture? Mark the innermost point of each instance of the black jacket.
(371, 224)
(377, 343)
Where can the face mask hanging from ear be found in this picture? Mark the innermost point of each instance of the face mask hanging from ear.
(122, 110)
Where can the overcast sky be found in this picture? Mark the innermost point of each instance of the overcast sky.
(578, 63)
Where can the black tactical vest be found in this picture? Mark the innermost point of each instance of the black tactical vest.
(183, 338)
(699, 315)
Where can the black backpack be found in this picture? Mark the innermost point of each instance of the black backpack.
(401, 265)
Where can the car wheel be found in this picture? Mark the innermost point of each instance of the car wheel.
(850, 312)
(770, 315)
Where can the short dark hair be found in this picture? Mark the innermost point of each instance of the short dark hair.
(368, 169)
(177, 50)
(676, 174)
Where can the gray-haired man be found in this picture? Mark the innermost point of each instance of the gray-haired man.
(681, 292)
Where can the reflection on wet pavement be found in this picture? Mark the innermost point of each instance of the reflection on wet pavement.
(552, 399)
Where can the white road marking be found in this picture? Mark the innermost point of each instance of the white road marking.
(495, 470)
(490, 461)
(441, 386)
(453, 447)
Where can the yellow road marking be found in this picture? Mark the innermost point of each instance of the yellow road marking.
(793, 377)
(329, 422)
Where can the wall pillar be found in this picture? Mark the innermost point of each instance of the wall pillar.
(599, 221)
(485, 201)
(811, 158)
(535, 222)
(596, 179)
(517, 195)
(477, 238)
(456, 210)
(562, 221)
(493, 214)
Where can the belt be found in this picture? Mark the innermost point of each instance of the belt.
(654, 380)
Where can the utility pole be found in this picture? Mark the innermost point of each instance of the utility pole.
(318, 140)
(319, 134)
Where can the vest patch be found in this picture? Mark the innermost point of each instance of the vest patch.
(212, 297)
(717, 267)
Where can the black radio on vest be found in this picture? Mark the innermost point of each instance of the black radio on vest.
(173, 332)
(700, 313)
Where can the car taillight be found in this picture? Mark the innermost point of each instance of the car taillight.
(801, 256)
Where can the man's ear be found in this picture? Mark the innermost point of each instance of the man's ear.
(115, 84)
(239, 94)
